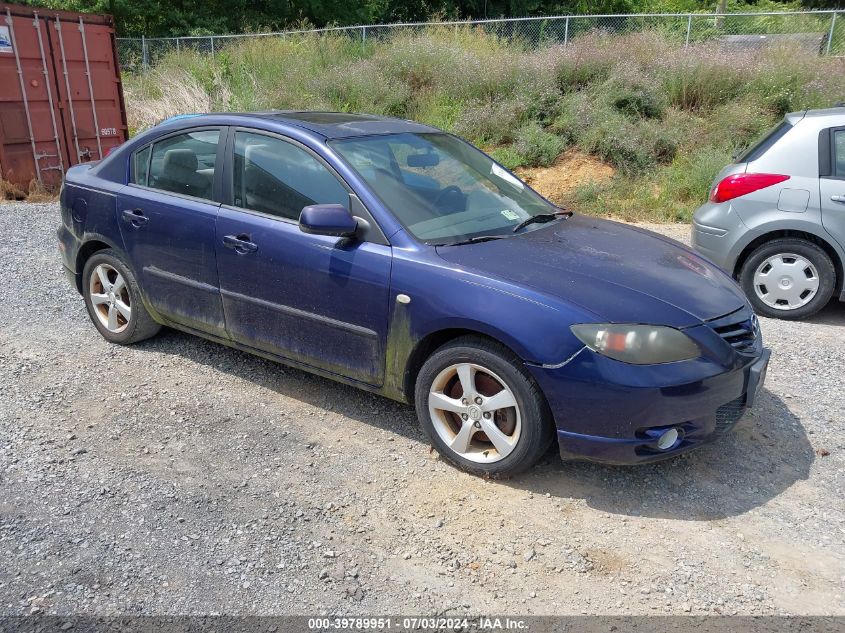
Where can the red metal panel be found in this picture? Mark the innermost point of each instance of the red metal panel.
(22, 146)
(71, 108)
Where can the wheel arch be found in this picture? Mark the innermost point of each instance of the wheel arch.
(432, 341)
(90, 246)
(813, 238)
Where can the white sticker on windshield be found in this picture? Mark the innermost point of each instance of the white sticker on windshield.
(506, 176)
(510, 215)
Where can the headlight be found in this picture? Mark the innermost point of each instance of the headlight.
(637, 344)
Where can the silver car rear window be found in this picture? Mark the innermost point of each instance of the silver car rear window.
(760, 147)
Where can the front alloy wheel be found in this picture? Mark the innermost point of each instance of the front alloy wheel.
(474, 412)
(481, 409)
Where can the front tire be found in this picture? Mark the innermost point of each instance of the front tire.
(113, 299)
(788, 279)
(481, 410)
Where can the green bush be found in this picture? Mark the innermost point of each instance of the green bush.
(633, 92)
(508, 157)
(491, 122)
(362, 87)
(538, 147)
(689, 177)
(632, 146)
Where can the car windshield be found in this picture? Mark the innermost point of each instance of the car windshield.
(441, 188)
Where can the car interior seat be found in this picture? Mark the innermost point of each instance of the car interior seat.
(179, 174)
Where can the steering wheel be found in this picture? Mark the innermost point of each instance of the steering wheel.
(451, 190)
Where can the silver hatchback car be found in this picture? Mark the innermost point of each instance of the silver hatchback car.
(776, 217)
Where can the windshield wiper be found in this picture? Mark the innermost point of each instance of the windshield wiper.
(542, 218)
(474, 240)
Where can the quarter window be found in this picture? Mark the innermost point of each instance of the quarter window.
(140, 166)
(839, 153)
(278, 178)
(185, 163)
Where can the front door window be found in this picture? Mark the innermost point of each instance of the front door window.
(278, 178)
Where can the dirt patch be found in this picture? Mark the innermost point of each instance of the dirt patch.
(571, 170)
(606, 562)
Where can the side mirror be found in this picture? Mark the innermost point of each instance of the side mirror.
(327, 219)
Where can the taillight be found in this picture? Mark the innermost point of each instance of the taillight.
(740, 184)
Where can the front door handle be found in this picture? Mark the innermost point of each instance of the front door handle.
(240, 243)
(838, 198)
(135, 217)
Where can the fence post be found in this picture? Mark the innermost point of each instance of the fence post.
(144, 59)
(363, 35)
(178, 49)
(566, 32)
(689, 28)
(830, 35)
(212, 44)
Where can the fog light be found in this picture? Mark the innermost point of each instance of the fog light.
(667, 439)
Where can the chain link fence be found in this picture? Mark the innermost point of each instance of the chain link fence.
(822, 32)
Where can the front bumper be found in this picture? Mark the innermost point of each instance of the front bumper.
(603, 415)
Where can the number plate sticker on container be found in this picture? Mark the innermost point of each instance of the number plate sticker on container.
(5, 40)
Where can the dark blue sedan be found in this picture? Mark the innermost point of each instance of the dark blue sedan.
(400, 259)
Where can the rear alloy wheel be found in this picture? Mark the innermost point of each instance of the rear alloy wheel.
(788, 279)
(110, 298)
(113, 300)
(481, 410)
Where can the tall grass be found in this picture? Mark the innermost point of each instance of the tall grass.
(665, 117)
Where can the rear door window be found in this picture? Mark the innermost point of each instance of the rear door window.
(764, 144)
(185, 163)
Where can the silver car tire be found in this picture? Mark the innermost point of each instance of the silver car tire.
(788, 278)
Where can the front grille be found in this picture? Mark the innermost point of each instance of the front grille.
(729, 414)
(739, 329)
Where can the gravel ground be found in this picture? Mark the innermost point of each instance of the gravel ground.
(179, 476)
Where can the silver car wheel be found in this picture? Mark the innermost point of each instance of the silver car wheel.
(110, 298)
(786, 281)
(475, 413)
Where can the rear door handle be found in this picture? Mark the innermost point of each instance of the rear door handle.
(240, 243)
(838, 198)
(135, 217)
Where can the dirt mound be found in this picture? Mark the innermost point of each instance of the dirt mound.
(571, 170)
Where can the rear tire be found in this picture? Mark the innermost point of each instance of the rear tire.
(788, 278)
(481, 410)
(113, 299)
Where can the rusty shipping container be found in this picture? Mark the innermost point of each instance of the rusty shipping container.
(61, 100)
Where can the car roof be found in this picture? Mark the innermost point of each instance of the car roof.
(331, 125)
(834, 112)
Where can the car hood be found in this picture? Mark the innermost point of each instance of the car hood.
(618, 272)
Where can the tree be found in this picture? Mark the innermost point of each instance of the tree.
(185, 17)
